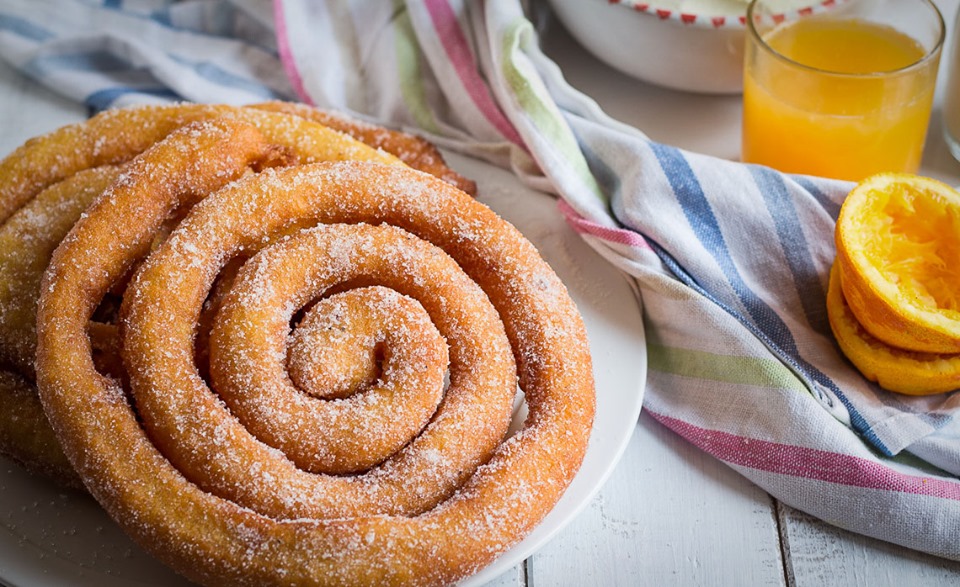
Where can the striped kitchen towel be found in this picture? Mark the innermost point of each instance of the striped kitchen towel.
(731, 259)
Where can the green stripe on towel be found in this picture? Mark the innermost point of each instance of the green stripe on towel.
(543, 112)
(725, 368)
(407, 52)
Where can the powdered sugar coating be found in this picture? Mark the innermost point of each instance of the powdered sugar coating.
(414, 151)
(44, 186)
(215, 540)
(223, 457)
(27, 241)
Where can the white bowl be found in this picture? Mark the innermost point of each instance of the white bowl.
(672, 48)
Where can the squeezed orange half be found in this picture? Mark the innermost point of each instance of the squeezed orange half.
(898, 248)
(894, 300)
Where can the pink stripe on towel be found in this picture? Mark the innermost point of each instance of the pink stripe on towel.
(286, 54)
(808, 463)
(458, 50)
(615, 235)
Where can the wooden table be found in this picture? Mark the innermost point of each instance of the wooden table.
(669, 515)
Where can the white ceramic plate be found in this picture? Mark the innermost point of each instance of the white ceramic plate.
(611, 310)
(52, 537)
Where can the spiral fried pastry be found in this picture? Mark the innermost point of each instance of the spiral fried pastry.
(445, 503)
(47, 184)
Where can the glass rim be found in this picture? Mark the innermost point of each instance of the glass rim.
(927, 57)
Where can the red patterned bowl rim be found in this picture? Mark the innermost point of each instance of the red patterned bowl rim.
(718, 21)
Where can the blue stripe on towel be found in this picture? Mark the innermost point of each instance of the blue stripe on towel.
(222, 77)
(98, 61)
(766, 325)
(103, 99)
(24, 28)
(794, 246)
(832, 208)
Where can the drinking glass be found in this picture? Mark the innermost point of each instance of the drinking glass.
(951, 100)
(842, 89)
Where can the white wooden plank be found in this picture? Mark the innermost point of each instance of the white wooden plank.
(822, 555)
(670, 515)
(515, 577)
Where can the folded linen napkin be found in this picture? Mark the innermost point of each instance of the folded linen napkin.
(731, 259)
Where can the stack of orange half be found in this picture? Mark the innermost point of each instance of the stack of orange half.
(894, 293)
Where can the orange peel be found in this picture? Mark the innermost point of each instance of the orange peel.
(898, 248)
(894, 369)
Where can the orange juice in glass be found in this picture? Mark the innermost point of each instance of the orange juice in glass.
(843, 90)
